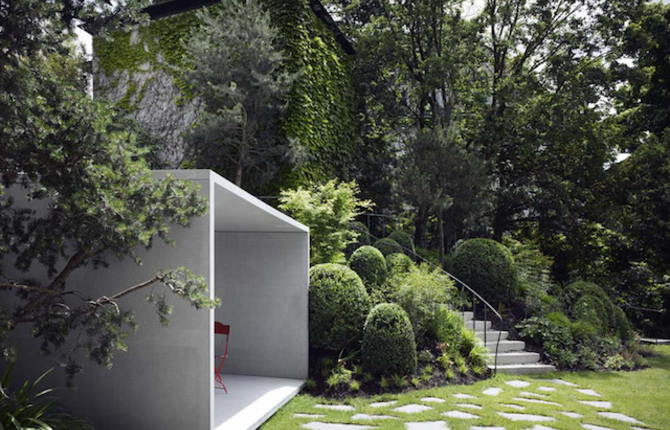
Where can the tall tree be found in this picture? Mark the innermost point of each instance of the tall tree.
(79, 157)
(234, 64)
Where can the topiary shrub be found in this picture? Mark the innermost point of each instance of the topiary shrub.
(338, 305)
(622, 325)
(398, 263)
(594, 298)
(592, 310)
(388, 246)
(362, 239)
(369, 263)
(488, 267)
(404, 240)
(388, 341)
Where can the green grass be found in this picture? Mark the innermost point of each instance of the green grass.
(644, 395)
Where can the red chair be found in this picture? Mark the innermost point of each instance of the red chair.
(223, 330)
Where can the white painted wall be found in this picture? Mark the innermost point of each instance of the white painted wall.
(262, 279)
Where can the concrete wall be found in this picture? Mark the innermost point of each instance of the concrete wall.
(164, 381)
(262, 279)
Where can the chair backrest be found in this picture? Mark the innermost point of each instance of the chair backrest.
(221, 328)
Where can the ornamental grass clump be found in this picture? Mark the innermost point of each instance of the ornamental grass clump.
(338, 305)
(388, 341)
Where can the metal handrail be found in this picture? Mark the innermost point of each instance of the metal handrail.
(475, 296)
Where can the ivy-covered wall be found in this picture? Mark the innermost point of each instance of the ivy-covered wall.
(135, 69)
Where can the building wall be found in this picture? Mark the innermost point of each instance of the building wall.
(164, 381)
(134, 69)
(262, 279)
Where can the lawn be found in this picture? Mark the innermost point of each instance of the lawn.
(643, 395)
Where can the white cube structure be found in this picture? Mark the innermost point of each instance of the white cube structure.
(256, 260)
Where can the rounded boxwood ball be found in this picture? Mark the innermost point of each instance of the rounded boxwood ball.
(398, 263)
(388, 341)
(388, 246)
(487, 267)
(338, 305)
(605, 308)
(368, 262)
(404, 240)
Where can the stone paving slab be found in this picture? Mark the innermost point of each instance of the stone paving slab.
(493, 391)
(463, 396)
(308, 415)
(543, 402)
(460, 415)
(595, 427)
(619, 417)
(383, 404)
(336, 407)
(517, 407)
(572, 415)
(334, 426)
(589, 392)
(557, 381)
(371, 417)
(597, 404)
(412, 409)
(517, 384)
(432, 400)
(486, 428)
(525, 417)
(427, 425)
(531, 394)
(468, 406)
(539, 427)
(546, 389)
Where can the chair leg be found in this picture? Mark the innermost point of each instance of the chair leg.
(217, 378)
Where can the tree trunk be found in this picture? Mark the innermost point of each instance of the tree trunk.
(440, 234)
(420, 227)
(499, 223)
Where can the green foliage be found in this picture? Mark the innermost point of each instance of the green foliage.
(232, 65)
(339, 376)
(422, 293)
(28, 408)
(587, 300)
(327, 210)
(362, 239)
(404, 240)
(388, 341)
(388, 246)
(77, 158)
(448, 327)
(370, 265)
(622, 325)
(488, 267)
(398, 264)
(338, 306)
(554, 336)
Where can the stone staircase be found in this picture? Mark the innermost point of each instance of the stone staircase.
(512, 358)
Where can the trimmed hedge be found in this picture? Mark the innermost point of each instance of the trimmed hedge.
(369, 263)
(622, 325)
(388, 341)
(388, 246)
(398, 263)
(487, 267)
(404, 240)
(338, 305)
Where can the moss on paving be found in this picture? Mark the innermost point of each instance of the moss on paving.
(643, 395)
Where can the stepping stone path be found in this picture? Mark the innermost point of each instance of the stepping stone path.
(427, 425)
(597, 404)
(333, 426)
(460, 415)
(589, 392)
(571, 395)
(619, 417)
(544, 402)
(432, 400)
(464, 396)
(336, 407)
(371, 417)
(412, 409)
(517, 384)
(525, 417)
(468, 406)
(383, 404)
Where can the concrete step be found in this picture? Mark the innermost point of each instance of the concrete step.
(467, 315)
(478, 325)
(492, 335)
(524, 369)
(505, 345)
(520, 357)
